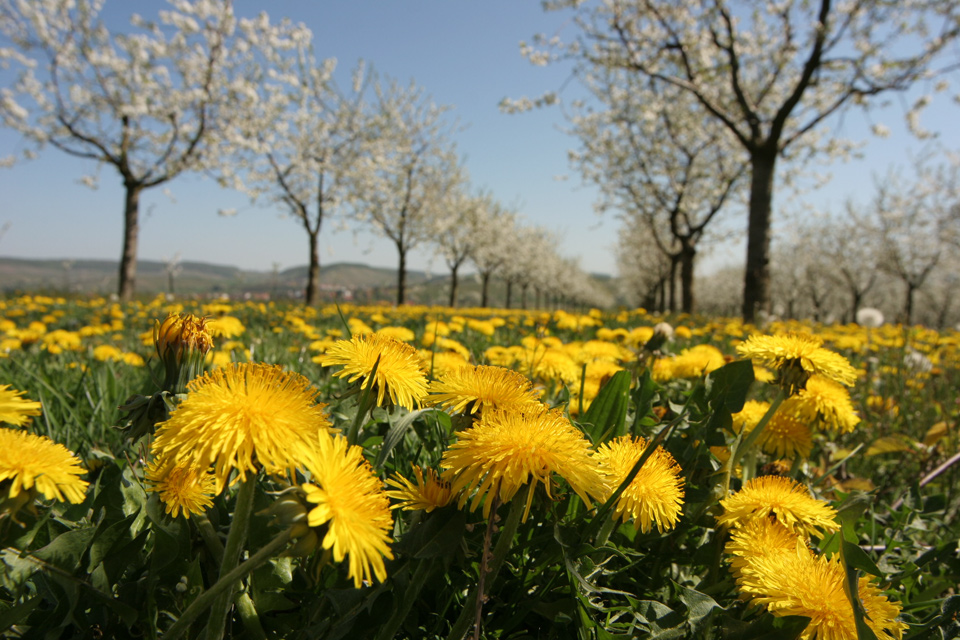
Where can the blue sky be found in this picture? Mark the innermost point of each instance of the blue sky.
(465, 54)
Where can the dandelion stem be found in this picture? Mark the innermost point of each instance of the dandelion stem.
(225, 584)
(209, 535)
(743, 444)
(366, 403)
(231, 556)
(504, 543)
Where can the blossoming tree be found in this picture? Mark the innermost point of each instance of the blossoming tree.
(405, 171)
(659, 164)
(152, 102)
(771, 73)
(456, 229)
(915, 224)
(300, 146)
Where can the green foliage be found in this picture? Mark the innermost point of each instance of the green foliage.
(118, 566)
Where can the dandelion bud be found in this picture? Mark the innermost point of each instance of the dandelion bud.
(182, 342)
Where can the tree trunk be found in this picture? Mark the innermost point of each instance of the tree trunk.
(672, 282)
(908, 304)
(484, 287)
(313, 272)
(756, 284)
(454, 283)
(687, 260)
(663, 296)
(509, 293)
(523, 295)
(855, 300)
(131, 233)
(402, 277)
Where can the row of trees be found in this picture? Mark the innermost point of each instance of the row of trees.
(898, 251)
(247, 101)
(694, 101)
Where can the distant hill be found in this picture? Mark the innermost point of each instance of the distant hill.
(338, 281)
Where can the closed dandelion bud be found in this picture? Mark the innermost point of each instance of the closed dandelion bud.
(289, 509)
(306, 543)
(182, 343)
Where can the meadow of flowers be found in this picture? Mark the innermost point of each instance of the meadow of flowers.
(210, 469)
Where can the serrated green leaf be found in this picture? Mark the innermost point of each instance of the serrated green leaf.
(396, 433)
(17, 613)
(108, 538)
(699, 605)
(66, 550)
(607, 416)
(729, 385)
(858, 558)
(437, 534)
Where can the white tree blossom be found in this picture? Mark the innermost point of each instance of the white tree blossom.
(457, 229)
(152, 102)
(772, 73)
(301, 144)
(917, 224)
(662, 165)
(405, 171)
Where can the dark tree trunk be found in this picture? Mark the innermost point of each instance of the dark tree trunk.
(856, 299)
(523, 295)
(908, 304)
(484, 288)
(131, 234)
(454, 283)
(672, 282)
(756, 285)
(663, 296)
(687, 261)
(402, 277)
(313, 272)
(509, 293)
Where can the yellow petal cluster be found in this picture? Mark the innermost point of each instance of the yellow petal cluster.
(244, 417)
(352, 504)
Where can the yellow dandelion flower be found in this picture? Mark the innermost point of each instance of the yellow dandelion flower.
(500, 356)
(352, 504)
(424, 494)
(656, 493)
(243, 417)
(107, 352)
(506, 450)
(662, 369)
(759, 538)
(29, 461)
(471, 389)
(750, 416)
(554, 364)
(225, 327)
(441, 362)
(697, 361)
(781, 498)
(14, 408)
(400, 375)
(813, 587)
(785, 436)
(797, 356)
(825, 402)
(398, 333)
(181, 487)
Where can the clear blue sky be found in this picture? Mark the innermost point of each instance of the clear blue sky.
(465, 54)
